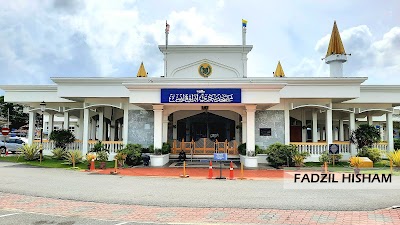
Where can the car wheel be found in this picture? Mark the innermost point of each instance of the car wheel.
(3, 150)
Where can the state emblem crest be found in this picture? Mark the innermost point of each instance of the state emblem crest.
(205, 70)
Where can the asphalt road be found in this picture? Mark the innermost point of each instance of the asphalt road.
(81, 186)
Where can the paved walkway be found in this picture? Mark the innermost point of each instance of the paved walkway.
(187, 215)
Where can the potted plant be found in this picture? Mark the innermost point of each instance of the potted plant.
(120, 157)
(160, 156)
(102, 157)
(394, 158)
(298, 160)
(356, 163)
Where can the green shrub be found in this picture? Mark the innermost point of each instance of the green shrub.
(326, 157)
(133, 154)
(166, 148)
(396, 144)
(98, 147)
(280, 154)
(242, 149)
(373, 154)
(102, 156)
(62, 138)
(30, 152)
(365, 135)
(59, 153)
(74, 157)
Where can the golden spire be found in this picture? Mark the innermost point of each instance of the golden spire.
(335, 44)
(279, 71)
(142, 71)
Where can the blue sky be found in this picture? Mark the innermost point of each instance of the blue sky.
(43, 39)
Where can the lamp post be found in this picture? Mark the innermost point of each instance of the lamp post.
(42, 109)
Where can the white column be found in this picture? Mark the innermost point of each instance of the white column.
(119, 131)
(352, 127)
(389, 128)
(165, 129)
(125, 125)
(381, 131)
(50, 125)
(244, 129)
(250, 116)
(32, 128)
(287, 124)
(66, 121)
(85, 139)
(80, 131)
(341, 130)
(112, 130)
(315, 126)
(93, 128)
(303, 124)
(101, 125)
(158, 126)
(328, 127)
(369, 119)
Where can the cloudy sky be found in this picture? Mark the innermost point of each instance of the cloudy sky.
(47, 38)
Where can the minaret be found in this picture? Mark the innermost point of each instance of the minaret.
(279, 71)
(142, 71)
(336, 55)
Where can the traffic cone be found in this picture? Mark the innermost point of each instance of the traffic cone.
(92, 165)
(6, 152)
(231, 172)
(210, 171)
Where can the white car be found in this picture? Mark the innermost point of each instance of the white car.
(12, 145)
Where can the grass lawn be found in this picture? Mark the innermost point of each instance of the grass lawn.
(50, 162)
(381, 167)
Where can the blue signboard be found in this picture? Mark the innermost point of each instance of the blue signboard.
(220, 156)
(202, 95)
(334, 149)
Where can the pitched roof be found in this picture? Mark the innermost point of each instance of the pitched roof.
(142, 71)
(279, 71)
(335, 44)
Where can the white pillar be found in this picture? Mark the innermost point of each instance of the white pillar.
(101, 125)
(303, 124)
(369, 119)
(328, 127)
(125, 125)
(112, 130)
(341, 130)
(32, 128)
(352, 127)
(315, 126)
(80, 131)
(85, 141)
(93, 129)
(165, 129)
(158, 126)
(287, 124)
(381, 131)
(50, 125)
(250, 129)
(389, 128)
(66, 121)
(119, 131)
(244, 129)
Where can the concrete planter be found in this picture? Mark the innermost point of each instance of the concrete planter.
(159, 160)
(262, 158)
(249, 161)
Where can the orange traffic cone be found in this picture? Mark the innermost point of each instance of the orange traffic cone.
(231, 172)
(210, 171)
(92, 165)
(6, 152)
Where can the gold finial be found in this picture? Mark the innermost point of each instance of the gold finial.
(142, 71)
(279, 71)
(335, 44)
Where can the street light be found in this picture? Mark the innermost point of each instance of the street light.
(42, 108)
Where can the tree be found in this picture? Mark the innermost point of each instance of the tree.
(17, 117)
(62, 138)
(365, 136)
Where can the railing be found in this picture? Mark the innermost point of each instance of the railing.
(383, 146)
(204, 146)
(112, 146)
(316, 149)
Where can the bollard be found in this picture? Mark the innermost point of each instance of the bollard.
(326, 167)
(184, 175)
(92, 167)
(115, 168)
(231, 172)
(391, 166)
(241, 171)
(210, 171)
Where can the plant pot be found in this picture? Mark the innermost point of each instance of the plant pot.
(159, 160)
(356, 170)
(102, 165)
